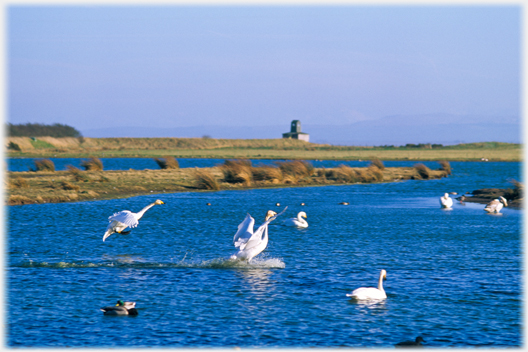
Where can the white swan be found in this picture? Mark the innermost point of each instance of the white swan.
(249, 243)
(496, 205)
(298, 221)
(446, 201)
(123, 219)
(367, 293)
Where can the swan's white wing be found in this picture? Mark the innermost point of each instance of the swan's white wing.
(125, 217)
(256, 238)
(446, 202)
(244, 233)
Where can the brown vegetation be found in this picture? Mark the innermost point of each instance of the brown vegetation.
(444, 165)
(93, 164)
(378, 163)
(237, 171)
(423, 171)
(76, 185)
(167, 162)
(205, 180)
(44, 165)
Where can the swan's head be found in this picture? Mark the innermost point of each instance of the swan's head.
(383, 274)
(269, 214)
(302, 214)
(446, 195)
(503, 200)
(419, 339)
(158, 202)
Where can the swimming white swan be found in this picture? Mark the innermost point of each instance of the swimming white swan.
(416, 343)
(298, 221)
(446, 201)
(365, 293)
(249, 243)
(123, 219)
(496, 205)
(121, 308)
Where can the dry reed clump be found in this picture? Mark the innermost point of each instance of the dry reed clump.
(365, 175)
(167, 162)
(92, 164)
(296, 168)
(343, 173)
(44, 165)
(205, 180)
(444, 165)
(378, 163)
(376, 172)
(69, 187)
(19, 182)
(19, 200)
(423, 171)
(77, 174)
(267, 173)
(237, 171)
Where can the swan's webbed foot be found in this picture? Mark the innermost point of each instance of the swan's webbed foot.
(124, 232)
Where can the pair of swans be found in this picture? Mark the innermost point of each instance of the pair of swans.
(371, 293)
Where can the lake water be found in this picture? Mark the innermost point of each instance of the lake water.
(453, 277)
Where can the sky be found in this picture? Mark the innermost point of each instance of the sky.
(129, 69)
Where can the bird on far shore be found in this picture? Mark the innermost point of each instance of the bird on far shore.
(126, 219)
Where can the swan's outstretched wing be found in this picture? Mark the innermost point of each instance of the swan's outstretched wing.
(125, 217)
(256, 238)
(244, 233)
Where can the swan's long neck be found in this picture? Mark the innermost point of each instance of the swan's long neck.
(380, 283)
(142, 211)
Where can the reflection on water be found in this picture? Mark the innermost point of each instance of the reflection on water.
(258, 280)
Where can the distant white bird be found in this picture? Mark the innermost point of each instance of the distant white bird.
(249, 243)
(496, 205)
(121, 308)
(446, 201)
(123, 219)
(371, 293)
(298, 221)
(416, 343)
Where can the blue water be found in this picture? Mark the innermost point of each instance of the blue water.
(453, 277)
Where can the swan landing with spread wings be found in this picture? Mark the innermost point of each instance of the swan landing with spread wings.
(249, 243)
(123, 219)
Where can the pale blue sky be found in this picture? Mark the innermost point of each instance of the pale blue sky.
(173, 66)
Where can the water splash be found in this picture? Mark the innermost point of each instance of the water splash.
(219, 263)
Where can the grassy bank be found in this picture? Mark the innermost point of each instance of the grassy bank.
(47, 147)
(76, 185)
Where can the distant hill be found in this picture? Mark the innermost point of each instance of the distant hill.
(392, 130)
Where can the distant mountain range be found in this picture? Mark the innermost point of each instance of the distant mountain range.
(392, 130)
